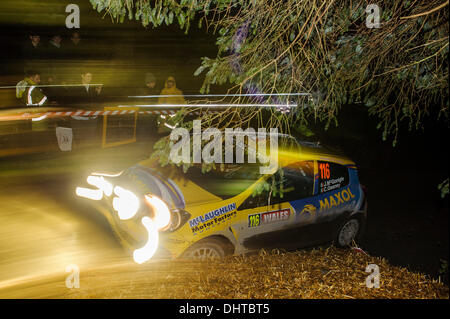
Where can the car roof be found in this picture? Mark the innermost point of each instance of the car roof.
(311, 150)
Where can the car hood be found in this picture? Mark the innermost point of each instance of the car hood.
(176, 191)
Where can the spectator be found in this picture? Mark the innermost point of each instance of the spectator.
(33, 52)
(55, 41)
(74, 48)
(31, 95)
(32, 47)
(54, 92)
(150, 86)
(149, 89)
(86, 93)
(55, 55)
(28, 91)
(75, 39)
(75, 53)
(147, 123)
(170, 88)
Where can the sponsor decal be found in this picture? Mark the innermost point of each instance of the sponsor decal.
(331, 184)
(260, 219)
(309, 210)
(174, 240)
(331, 176)
(212, 218)
(337, 199)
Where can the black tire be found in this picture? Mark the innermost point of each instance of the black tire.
(206, 249)
(351, 230)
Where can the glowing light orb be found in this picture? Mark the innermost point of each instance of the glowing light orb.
(126, 203)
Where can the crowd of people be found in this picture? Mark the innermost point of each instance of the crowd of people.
(59, 72)
(56, 73)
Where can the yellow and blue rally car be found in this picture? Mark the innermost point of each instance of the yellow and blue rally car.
(317, 198)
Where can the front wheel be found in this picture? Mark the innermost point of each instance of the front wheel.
(349, 231)
(210, 249)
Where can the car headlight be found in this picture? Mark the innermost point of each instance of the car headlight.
(161, 213)
(178, 218)
(126, 203)
(101, 183)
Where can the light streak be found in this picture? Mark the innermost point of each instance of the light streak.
(40, 118)
(94, 194)
(146, 252)
(225, 95)
(209, 105)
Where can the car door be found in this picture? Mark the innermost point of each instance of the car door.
(252, 210)
(280, 220)
(299, 184)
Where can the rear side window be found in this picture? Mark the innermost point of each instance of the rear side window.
(332, 176)
(296, 182)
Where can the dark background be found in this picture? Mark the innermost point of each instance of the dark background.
(118, 53)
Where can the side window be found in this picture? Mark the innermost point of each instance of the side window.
(332, 176)
(254, 201)
(296, 181)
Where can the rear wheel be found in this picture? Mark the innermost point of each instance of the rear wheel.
(349, 232)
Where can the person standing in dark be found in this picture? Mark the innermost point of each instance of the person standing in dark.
(55, 41)
(33, 52)
(30, 94)
(147, 123)
(75, 50)
(33, 48)
(28, 90)
(55, 56)
(75, 53)
(86, 94)
(150, 88)
(75, 39)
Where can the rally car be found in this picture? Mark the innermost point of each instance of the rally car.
(314, 197)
